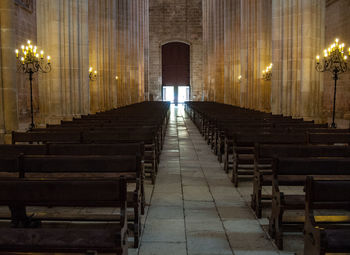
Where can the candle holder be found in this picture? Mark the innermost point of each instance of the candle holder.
(267, 73)
(29, 61)
(92, 74)
(335, 62)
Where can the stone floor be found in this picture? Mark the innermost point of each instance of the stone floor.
(194, 208)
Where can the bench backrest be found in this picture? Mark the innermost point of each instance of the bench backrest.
(311, 166)
(270, 138)
(327, 193)
(65, 192)
(96, 149)
(78, 164)
(264, 151)
(329, 138)
(43, 137)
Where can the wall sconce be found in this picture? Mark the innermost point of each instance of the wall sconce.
(335, 62)
(267, 73)
(92, 74)
(30, 61)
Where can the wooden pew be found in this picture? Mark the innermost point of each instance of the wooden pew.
(81, 167)
(88, 137)
(243, 149)
(264, 154)
(292, 172)
(74, 237)
(329, 233)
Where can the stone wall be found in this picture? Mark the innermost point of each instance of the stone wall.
(337, 26)
(179, 20)
(8, 86)
(237, 42)
(297, 37)
(110, 35)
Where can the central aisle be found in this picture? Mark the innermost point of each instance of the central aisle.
(194, 208)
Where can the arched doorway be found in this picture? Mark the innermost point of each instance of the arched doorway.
(176, 72)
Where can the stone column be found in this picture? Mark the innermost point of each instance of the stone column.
(8, 88)
(103, 54)
(62, 28)
(297, 37)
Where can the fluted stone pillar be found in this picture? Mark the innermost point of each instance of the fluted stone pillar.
(8, 88)
(62, 28)
(103, 54)
(297, 37)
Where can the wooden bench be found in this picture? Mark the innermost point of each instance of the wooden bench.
(243, 149)
(69, 237)
(89, 137)
(264, 154)
(82, 167)
(292, 172)
(330, 232)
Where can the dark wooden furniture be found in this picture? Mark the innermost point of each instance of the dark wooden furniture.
(264, 153)
(69, 237)
(292, 172)
(82, 167)
(330, 231)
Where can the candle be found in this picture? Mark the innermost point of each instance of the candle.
(95, 72)
(22, 47)
(318, 59)
(37, 55)
(48, 59)
(90, 70)
(16, 53)
(22, 59)
(116, 77)
(28, 41)
(42, 54)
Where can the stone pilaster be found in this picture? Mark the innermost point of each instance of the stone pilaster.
(297, 37)
(62, 28)
(8, 86)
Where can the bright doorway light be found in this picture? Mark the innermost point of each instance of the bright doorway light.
(168, 93)
(184, 94)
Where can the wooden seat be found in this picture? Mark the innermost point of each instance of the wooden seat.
(287, 200)
(72, 237)
(263, 173)
(327, 237)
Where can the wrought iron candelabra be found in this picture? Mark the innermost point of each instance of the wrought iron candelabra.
(335, 62)
(267, 73)
(29, 61)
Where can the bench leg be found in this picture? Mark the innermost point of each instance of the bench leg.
(19, 218)
(226, 168)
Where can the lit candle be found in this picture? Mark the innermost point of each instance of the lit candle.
(28, 41)
(48, 59)
(22, 59)
(116, 77)
(25, 53)
(318, 59)
(95, 72)
(37, 55)
(42, 54)
(90, 70)
(16, 53)
(345, 57)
